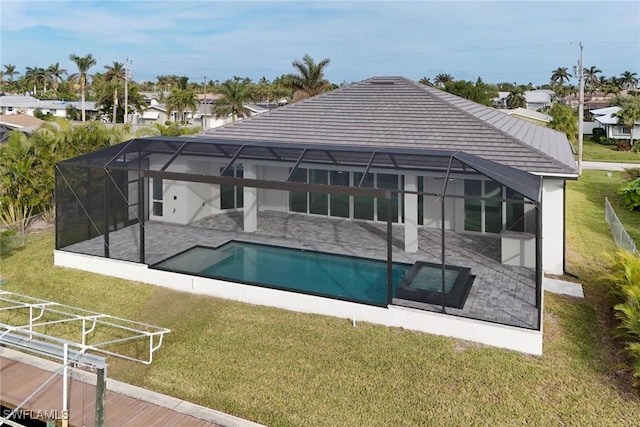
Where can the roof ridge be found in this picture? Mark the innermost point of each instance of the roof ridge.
(485, 123)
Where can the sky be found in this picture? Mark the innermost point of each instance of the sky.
(508, 41)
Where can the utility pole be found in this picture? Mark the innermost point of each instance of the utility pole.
(580, 111)
(126, 90)
(204, 100)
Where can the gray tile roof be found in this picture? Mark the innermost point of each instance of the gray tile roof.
(397, 112)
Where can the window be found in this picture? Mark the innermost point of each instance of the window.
(484, 216)
(344, 206)
(472, 207)
(231, 196)
(157, 197)
(298, 199)
(318, 202)
(514, 211)
(363, 206)
(389, 182)
(339, 203)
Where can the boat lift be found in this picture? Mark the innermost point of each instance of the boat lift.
(76, 337)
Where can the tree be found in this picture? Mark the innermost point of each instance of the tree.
(628, 114)
(115, 74)
(309, 80)
(10, 70)
(479, 92)
(564, 119)
(629, 80)
(591, 78)
(425, 81)
(83, 63)
(516, 99)
(442, 79)
(56, 73)
(36, 76)
(559, 76)
(182, 100)
(235, 94)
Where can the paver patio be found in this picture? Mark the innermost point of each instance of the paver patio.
(500, 293)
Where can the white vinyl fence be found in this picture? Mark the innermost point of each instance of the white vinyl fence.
(620, 235)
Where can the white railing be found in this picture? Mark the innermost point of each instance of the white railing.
(620, 235)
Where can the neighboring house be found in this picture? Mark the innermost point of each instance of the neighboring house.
(203, 116)
(529, 115)
(459, 210)
(605, 118)
(535, 99)
(25, 104)
(21, 122)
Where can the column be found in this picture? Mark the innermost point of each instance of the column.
(410, 213)
(250, 195)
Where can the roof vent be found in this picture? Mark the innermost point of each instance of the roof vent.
(382, 82)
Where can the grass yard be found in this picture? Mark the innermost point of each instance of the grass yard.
(290, 369)
(606, 153)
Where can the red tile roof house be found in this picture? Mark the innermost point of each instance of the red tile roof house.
(384, 201)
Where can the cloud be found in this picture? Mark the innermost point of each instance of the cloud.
(495, 40)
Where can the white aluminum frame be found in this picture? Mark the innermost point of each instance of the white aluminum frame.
(26, 338)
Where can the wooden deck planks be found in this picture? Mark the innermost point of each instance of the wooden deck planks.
(18, 380)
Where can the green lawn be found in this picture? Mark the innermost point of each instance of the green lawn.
(290, 369)
(606, 153)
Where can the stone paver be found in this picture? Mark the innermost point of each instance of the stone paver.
(500, 293)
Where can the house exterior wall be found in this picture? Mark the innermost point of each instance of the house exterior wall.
(273, 200)
(553, 225)
(185, 202)
(622, 132)
(432, 208)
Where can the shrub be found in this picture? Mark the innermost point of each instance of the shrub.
(599, 135)
(630, 174)
(72, 113)
(623, 145)
(624, 280)
(630, 194)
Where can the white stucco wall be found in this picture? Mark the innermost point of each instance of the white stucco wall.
(433, 208)
(509, 337)
(185, 202)
(273, 200)
(553, 225)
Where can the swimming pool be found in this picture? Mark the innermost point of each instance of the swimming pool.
(342, 277)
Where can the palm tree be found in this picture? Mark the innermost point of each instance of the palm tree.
(115, 73)
(83, 63)
(425, 81)
(442, 79)
(181, 100)
(560, 75)
(309, 80)
(56, 73)
(235, 94)
(629, 80)
(10, 70)
(591, 78)
(35, 76)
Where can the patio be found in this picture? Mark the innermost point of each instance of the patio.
(500, 293)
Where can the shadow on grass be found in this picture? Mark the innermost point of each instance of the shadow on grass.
(571, 326)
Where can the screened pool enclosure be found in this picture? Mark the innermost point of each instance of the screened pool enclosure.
(449, 231)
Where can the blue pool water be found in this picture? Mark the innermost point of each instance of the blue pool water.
(317, 273)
